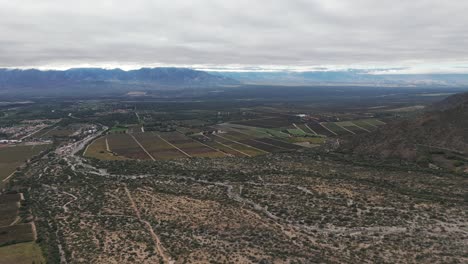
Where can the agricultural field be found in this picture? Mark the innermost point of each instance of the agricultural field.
(17, 233)
(191, 147)
(239, 147)
(319, 129)
(188, 131)
(332, 129)
(304, 127)
(119, 129)
(9, 208)
(350, 126)
(338, 130)
(13, 156)
(157, 147)
(158, 137)
(215, 143)
(22, 253)
(150, 145)
(310, 140)
(99, 149)
(374, 122)
(276, 133)
(254, 142)
(297, 132)
(271, 122)
(193, 123)
(125, 145)
(53, 131)
(365, 125)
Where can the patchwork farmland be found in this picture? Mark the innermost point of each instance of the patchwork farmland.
(349, 127)
(150, 146)
(17, 231)
(236, 139)
(271, 122)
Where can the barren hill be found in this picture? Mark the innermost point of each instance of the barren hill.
(445, 125)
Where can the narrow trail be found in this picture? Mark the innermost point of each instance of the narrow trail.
(268, 136)
(237, 142)
(264, 143)
(286, 226)
(345, 129)
(34, 132)
(297, 127)
(65, 206)
(370, 124)
(253, 139)
(143, 148)
(381, 122)
(9, 176)
(233, 148)
(86, 149)
(155, 237)
(328, 129)
(361, 127)
(172, 145)
(447, 149)
(107, 145)
(310, 129)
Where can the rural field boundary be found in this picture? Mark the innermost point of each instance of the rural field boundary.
(369, 124)
(87, 146)
(310, 129)
(229, 147)
(298, 128)
(269, 137)
(328, 129)
(360, 127)
(264, 143)
(345, 128)
(172, 145)
(143, 148)
(233, 149)
(54, 128)
(210, 147)
(9, 176)
(107, 146)
(237, 142)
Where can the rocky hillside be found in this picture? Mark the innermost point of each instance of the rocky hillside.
(445, 125)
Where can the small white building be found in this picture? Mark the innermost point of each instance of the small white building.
(9, 141)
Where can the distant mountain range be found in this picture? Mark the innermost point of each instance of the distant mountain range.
(102, 82)
(346, 77)
(149, 77)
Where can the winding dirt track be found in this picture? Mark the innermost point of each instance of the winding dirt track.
(155, 237)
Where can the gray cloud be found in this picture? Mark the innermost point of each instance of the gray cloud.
(215, 33)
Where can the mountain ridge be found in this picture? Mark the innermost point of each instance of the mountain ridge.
(34, 78)
(350, 76)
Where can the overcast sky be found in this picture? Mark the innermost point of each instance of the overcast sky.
(235, 34)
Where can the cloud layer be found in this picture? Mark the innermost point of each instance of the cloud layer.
(243, 33)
